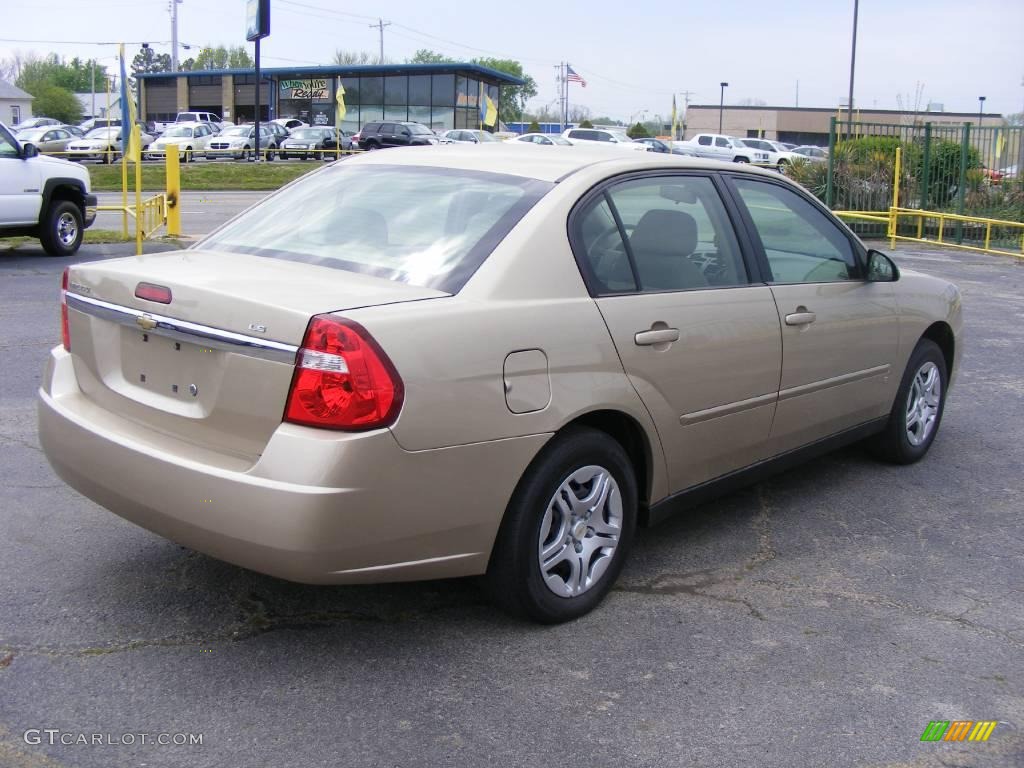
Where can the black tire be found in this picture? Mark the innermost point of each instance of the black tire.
(894, 443)
(372, 146)
(245, 155)
(61, 229)
(514, 580)
(109, 156)
(188, 154)
(270, 154)
(741, 160)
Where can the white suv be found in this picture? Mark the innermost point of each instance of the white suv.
(604, 137)
(716, 147)
(43, 197)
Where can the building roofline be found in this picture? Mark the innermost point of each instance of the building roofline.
(833, 110)
(355, 70)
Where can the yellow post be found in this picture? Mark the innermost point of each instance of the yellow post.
(173, 192)
(138, 203)
(895, 198)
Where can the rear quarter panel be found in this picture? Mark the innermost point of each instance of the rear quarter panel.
(528, 295)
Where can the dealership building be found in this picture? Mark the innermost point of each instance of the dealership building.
(810, 125)
(441, 96)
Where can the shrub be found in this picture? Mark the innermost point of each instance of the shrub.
(534, 127)
(637, 132)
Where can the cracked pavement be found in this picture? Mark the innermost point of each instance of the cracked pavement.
(822, 618)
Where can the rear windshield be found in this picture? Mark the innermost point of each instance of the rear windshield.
(430, 227)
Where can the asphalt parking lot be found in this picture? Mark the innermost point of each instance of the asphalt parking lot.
(822, 618)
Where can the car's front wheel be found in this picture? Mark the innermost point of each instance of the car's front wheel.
(916, 414)
(61, 229)
(567, 529)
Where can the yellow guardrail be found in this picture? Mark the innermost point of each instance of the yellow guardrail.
(979, 228)
(152, 214)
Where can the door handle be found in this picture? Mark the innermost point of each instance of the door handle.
(660, 336)
(801, 317)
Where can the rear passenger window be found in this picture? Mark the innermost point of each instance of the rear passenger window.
(677, 237)
(704, 141)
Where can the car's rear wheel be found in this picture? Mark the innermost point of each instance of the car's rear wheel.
(567, 529)
(245, 154)
(741, 160)
(109, 156)
(917, 412)
(61, 229)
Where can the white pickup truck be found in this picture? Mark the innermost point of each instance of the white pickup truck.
(43, 197)
(193, 117)
(717, 147)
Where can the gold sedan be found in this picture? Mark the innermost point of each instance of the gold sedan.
(439, 362)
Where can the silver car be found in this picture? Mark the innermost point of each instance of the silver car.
(238, 142)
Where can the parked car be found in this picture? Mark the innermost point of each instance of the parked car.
(192, 140)
(713, 146)
(103, 144)
(467, 136)
(43, 197)
(279, 132)
(395, 134)
(291, 123)
(814, 154)
(238, 142)
(49, 139)
(785, 152)
(1009, 172)
(661, 147)
(544, 139)
(101, 122)
(605, 137)
(312, 142)
(448, 385)
(777, 158)
(34, 122)
(74, 130)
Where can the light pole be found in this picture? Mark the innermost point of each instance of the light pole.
(853, 63)
(721, 105)
(981, 109)
(641, 113)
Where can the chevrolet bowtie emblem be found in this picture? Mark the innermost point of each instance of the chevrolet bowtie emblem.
(145, 322)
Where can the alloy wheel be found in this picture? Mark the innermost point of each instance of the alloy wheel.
(580, 531)
(923, 403)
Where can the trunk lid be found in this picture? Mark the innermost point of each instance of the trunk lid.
(191, 377)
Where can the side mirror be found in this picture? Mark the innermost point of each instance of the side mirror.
(881, 269)
(30, 150)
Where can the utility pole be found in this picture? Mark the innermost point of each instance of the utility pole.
(686, 108)
(93, 83)
(853, 66)
(174, 34)
(380, 26)
(797, 93)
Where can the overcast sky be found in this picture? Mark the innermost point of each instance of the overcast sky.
(632, 55)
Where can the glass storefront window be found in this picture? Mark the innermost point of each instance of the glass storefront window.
(351, 91)
(442, 119)
(462, 92)
(397, 114)
(371, 90)
(420, 115)
(443, 94)
(419, 89)
(396, 90)
(370, 112)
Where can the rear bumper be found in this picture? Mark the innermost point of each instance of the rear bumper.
(317, 507)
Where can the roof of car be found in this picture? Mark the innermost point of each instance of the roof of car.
(523, 159)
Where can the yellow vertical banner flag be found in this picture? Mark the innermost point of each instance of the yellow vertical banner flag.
(133, 148)
(675, 122)
(340, 110)
(491, 117)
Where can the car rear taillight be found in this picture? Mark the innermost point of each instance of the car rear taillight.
(65, 335)
(343, 379)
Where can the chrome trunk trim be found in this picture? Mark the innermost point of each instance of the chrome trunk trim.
(182, 330)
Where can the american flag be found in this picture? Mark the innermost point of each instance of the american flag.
(572, 77)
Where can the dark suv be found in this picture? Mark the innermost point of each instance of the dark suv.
(381, 135)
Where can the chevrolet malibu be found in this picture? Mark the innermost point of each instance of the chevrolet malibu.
(445, 362)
